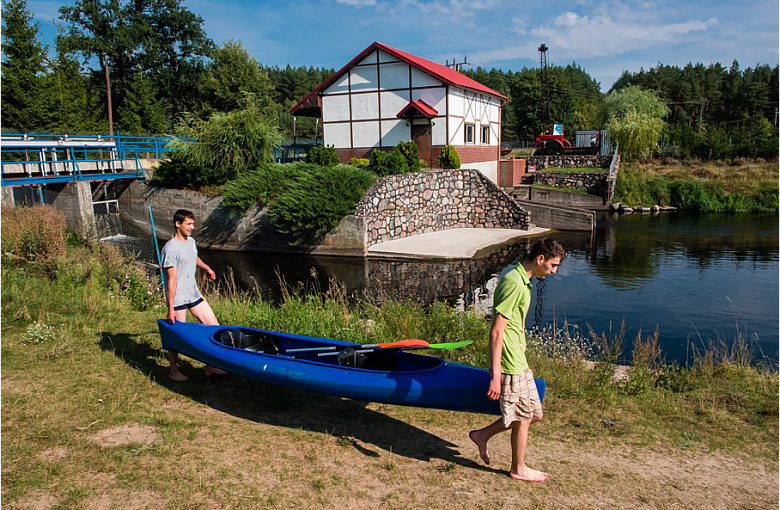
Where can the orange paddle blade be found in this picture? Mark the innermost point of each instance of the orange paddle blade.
(406, 344)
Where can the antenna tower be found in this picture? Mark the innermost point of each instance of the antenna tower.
(457, 65)
(545, 83)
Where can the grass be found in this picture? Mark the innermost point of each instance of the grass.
(79, 359)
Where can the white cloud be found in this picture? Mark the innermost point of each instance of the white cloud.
(519, 24)
(358, 3)
(568, 19)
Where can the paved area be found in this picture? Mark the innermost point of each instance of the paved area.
(460, 243)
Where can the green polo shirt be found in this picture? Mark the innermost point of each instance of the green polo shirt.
(512, 299)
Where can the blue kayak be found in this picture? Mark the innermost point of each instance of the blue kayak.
(336, 368)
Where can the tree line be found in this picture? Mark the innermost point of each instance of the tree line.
(165, 72)
(161, 66)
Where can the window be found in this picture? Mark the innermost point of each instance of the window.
(469, 133)
(486, 135)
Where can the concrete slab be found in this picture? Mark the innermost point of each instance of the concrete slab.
(460, 243)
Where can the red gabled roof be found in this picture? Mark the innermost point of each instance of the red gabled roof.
(421, 106)
(443, 73)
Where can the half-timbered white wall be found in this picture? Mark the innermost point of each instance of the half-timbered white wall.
(477, 109)
(359, 110)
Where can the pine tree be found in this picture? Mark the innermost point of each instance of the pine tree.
(141, 112)
(75, 109)
(26, 104)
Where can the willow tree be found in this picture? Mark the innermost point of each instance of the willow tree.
(634, 120)
(230, 143)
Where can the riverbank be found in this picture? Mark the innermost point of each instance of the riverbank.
(739, 185)
(91, 420)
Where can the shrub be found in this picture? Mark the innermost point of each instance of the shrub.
(411, 154)
(448, 158)
(33, 233)
(320, 199)
(262, 185)
(387, 163)
(322, 155)
(359, 162)
(180, 172)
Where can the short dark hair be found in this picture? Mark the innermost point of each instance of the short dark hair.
(181, 215)
(547, 247)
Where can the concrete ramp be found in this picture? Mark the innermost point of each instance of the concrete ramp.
(458, 243)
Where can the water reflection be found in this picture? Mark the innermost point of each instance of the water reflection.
(696, 277)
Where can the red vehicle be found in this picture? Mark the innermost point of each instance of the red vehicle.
(555, 144)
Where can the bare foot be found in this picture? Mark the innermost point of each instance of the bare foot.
(529, 475)
(178, 376)
(213, 371)
(482, 445)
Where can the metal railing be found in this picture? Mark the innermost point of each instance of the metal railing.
(37, 161)
(153, 147)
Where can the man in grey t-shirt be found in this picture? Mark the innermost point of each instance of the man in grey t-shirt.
(179, 262)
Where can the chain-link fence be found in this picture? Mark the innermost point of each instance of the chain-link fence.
(100, 217)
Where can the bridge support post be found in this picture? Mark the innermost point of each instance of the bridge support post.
(75, 200)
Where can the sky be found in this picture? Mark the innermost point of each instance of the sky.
(604, 38)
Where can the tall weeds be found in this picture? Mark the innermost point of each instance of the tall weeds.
(32, 233)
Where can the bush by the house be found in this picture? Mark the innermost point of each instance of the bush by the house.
(322, 155)
(404, 158)
(448, 158)
(359, 162)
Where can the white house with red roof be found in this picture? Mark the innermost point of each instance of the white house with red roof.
(385, 96)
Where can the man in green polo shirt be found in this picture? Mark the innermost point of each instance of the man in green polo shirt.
(511, 381)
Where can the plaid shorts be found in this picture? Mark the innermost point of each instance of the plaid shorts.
(519, 398)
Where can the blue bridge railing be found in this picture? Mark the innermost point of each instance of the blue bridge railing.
(156, 147)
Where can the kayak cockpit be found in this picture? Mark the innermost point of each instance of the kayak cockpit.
(323, 351)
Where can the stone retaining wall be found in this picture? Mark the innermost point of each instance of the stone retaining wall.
(595, 183)
(398, 206)
(573, 161)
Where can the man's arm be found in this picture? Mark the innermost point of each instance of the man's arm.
(211, 275)
(173, 283)
(495, 346)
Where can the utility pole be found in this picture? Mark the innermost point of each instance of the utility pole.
(108, 94)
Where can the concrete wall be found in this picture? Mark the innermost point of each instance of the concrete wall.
(398, 206)
(216, 229)
(558, 217)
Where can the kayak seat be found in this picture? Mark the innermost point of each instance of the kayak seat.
(258, 342)
(377, 360)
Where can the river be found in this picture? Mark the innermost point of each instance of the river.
(696, 277)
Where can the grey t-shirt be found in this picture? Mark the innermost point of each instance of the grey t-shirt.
(184, 257)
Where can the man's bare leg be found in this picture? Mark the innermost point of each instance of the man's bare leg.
(519, 471)
(205, 315)
(173, 357)
(482, 436)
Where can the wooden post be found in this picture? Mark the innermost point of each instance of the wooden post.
(108, 95)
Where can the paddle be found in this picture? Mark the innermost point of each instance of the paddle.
(405, 345)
